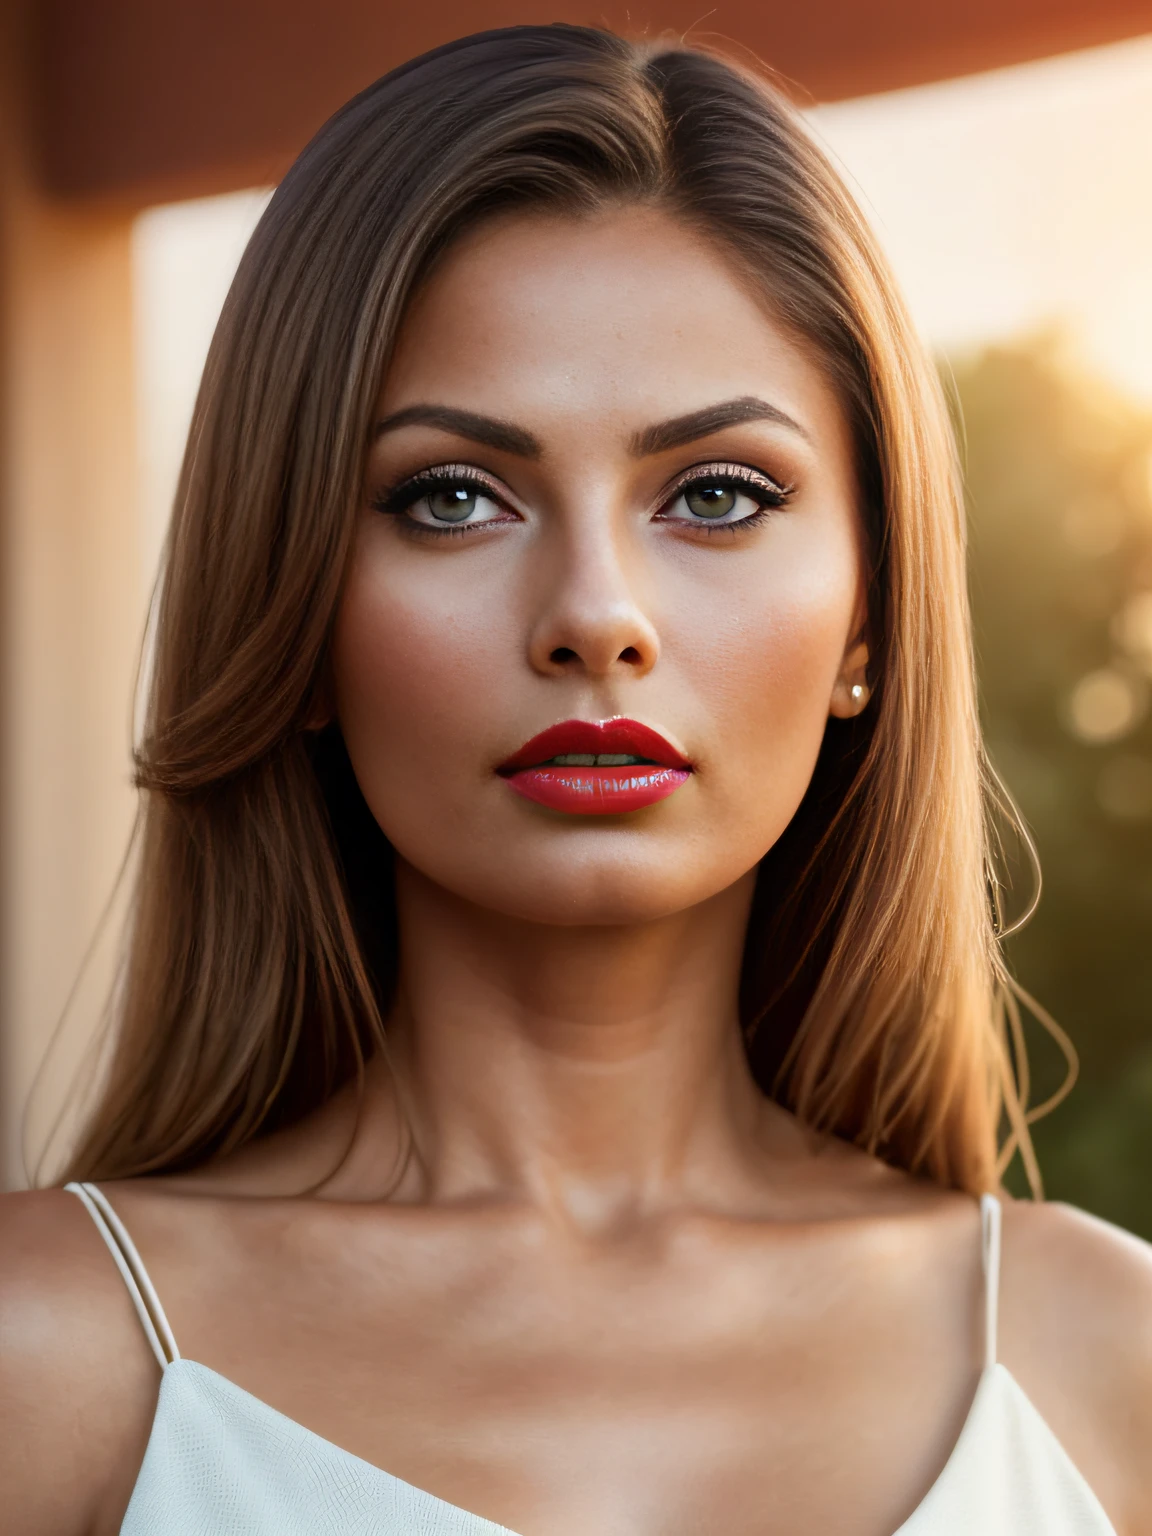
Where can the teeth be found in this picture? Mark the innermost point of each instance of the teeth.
(596, 760)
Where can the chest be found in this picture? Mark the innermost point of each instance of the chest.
(677, 1398)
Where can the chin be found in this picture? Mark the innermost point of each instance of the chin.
(580, 887)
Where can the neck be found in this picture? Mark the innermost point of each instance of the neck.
(598, 1072)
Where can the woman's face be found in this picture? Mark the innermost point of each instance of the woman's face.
(605, 484)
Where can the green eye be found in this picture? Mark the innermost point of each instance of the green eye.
(446, 498)
(452, 504)
(710, 501)
(723, 496)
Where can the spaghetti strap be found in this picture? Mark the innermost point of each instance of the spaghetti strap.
(990, 1227)
(131, 1267)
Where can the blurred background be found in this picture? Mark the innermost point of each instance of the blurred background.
(1004, 154)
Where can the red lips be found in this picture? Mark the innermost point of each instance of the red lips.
(590, 788)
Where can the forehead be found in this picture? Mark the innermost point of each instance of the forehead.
(624, 311)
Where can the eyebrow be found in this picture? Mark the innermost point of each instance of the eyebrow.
(712, 418)
(659, 438)
(488, 430)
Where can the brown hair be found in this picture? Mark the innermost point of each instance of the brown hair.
(262, 952)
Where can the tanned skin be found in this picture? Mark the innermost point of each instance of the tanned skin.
(613, 1289)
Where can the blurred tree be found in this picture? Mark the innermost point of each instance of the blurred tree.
(1059, 483)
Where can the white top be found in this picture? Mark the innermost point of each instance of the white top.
(222, 1463)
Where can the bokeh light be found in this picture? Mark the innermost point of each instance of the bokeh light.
(1105, 705)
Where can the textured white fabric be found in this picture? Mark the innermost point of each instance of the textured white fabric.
(222, 1463)
(1008, 1475)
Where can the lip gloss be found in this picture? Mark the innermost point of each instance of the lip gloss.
(604, 768)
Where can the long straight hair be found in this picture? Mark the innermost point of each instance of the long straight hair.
(262, 951)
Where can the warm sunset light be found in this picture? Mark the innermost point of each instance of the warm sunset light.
(576, 767)
(1006, 201)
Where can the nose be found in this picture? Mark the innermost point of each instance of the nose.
(591, 619)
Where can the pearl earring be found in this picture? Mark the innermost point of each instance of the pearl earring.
(859, 692)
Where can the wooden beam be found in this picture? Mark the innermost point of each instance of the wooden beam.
(139, 102)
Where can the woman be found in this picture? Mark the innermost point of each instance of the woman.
(558, 1054)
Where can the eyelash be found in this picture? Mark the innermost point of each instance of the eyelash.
(444, 477)
(740, 477)
(766, 492)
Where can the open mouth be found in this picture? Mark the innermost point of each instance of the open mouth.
(596, 768)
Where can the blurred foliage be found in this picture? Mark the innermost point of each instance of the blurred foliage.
(1059, 481)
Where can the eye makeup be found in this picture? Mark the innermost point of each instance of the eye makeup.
(438, 477)
(711, 494)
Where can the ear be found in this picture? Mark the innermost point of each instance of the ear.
(850, 692)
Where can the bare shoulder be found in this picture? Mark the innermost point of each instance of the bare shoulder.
(77, 1384)
(1071, 1275)
(1076, 1331)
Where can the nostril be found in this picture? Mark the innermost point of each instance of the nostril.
(562, 653)
(630, 655)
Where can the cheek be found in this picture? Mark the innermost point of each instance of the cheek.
(764, 651)
(415, 656)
